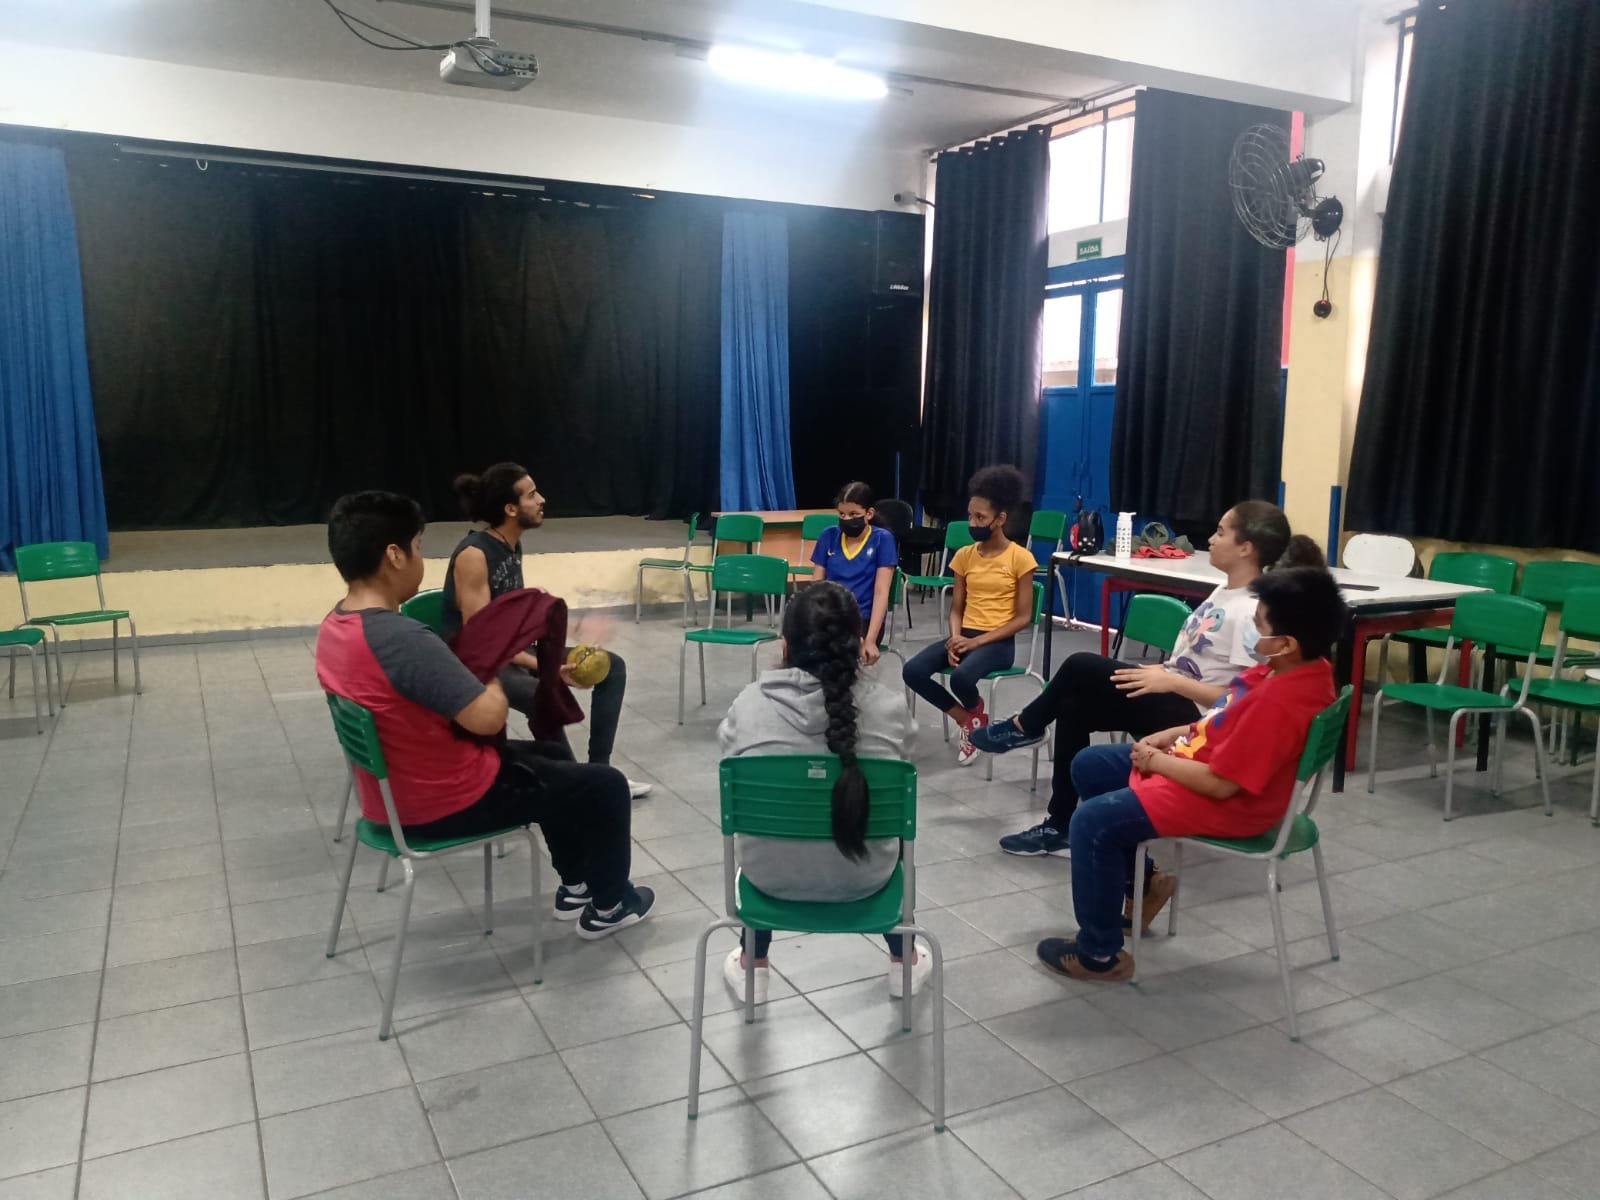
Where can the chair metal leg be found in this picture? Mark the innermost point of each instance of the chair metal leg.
(988, 764)
(61, 679)
(1139, 852)
(755, 661)
(133, 644)
(1177, 886)
(638, 595)
(1033, 778)
(11, 662)
(907, 943)
(399, 952)
(1327, 902)
(1594, 788)
(383, 875)
(698, 1014)
(1282, 944)
(538, 907)
(1497, 775)
(747, 939)
(701, 647)
(688, 598)
(344, 892)
(1428, 745)
(683, 651)
(33, 669)
(1450, 762)
(1538, 763)
(488, 888)
(1372, 750)
(344, 804)
(116, 659)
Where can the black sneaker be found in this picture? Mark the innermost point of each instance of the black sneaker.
(1000, 737)
(570, 904)
(1041, 839)
(634, 907)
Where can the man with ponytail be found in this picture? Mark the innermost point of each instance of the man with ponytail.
(817, 700)
(1090, 693)
(488, 563)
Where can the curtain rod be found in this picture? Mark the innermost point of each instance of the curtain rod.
(199, 155)
(1090, 103)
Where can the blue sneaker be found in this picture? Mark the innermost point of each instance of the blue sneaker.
(1041, 839)
(998, 737)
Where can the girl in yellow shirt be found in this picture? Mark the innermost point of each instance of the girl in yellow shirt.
(991, 602)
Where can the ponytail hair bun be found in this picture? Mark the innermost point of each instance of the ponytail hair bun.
(484, 497)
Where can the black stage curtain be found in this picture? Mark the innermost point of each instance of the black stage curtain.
(264, 340)
(985, 309)
(854, 355)
(1198, 423)
(1480, 410)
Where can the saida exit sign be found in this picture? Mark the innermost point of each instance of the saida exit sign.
(1088, 248)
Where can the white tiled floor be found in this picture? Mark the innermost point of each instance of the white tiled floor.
(170, 1028)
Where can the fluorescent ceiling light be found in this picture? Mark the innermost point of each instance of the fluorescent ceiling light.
(803, 73)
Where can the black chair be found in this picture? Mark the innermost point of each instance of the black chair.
(913, 541)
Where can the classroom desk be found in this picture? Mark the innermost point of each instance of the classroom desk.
(781, 534)
(1376, 605)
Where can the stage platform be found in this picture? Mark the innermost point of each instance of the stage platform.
(212, 582)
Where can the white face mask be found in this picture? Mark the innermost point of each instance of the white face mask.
(1265, 655)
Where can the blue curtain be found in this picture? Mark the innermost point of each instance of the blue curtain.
(50, 485)
(757, 470)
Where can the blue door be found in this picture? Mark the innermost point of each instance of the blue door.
(1082, 320)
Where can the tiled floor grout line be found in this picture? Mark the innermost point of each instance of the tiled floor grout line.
(105, 952)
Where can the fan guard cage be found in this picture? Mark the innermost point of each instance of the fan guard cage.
(1263, 185)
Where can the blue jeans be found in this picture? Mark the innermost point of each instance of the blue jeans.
(921, 669)
(1106, 829)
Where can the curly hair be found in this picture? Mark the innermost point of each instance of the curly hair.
(822, 628)
(1001, 485)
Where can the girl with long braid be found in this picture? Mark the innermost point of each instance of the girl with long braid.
(816, 701)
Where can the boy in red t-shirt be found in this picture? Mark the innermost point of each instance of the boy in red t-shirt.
(420, 695)
(1230, 774)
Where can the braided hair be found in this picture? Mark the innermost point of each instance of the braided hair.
(822, 629)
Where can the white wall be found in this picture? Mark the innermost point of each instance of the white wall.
(140, 98)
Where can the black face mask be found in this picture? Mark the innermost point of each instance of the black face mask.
(980, 533)
(852, 526)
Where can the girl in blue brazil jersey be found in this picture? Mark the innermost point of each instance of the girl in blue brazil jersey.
(862, 556)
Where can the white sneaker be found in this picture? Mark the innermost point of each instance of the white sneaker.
(733, 976)
(639, 791)
(920, 970)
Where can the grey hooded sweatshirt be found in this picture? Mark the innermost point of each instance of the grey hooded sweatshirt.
(782, 713)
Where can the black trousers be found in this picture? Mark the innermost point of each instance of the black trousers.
(582, 809)
(605, 703)
(1081, 699)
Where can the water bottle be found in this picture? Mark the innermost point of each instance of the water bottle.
(1124, 535)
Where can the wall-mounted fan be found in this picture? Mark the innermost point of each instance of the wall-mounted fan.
(1275, 195)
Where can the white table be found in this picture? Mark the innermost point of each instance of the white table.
(1376, 604)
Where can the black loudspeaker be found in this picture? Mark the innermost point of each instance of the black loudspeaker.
(897, 254)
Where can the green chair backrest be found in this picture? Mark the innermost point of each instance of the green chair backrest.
(739, 527)
(1492, 571)
(1580, 613)
(791, 796)
(358, 735)
(1047, 525)
(956, 535)
(1548, 582)
(1155, 620)
(814, 523)
(897, 589)
(752, 574)
(1488, 618)
(56, 560)
(1322, 739)
(427, 607)
(1038, 602)
(694, 528)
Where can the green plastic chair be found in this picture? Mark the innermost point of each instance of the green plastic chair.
(428, 608)
(358, 737)
(28, 638)
(49, 561)
(1155, 620)
(1482, 618)
(1548, 583)
(810, 530)
(1492, 571)
(956, 535)
(764, 575)
(745, 528)
(1580, 618)
(993, 679)
(1049, 526)
(1295, 834)
(789, 796)
(681, 565)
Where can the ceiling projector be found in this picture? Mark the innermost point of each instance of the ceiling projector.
(479, 62)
